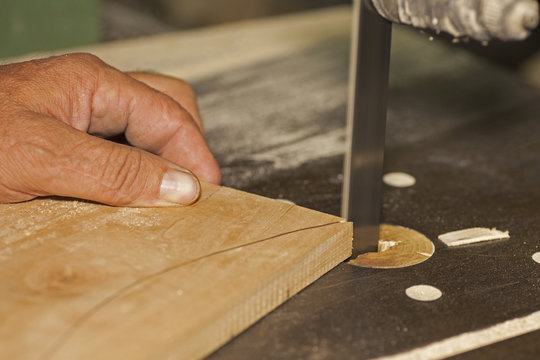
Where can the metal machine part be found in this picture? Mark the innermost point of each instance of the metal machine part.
(369, 68)
(366, 123)
(482, 20)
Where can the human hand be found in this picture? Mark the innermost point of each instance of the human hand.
(54, 113)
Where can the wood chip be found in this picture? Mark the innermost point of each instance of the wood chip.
(472, 235)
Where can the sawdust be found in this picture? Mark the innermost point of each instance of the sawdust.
(398, 247)
(472, 235)
(472, 340)
(49, 219)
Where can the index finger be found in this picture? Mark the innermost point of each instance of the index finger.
(152, 121)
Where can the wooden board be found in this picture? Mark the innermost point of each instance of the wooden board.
(81, 280)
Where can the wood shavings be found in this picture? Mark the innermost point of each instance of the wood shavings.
(398, 247)
(472, 340)
(286, 201)
(472, 235)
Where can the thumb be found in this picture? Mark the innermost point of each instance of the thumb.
(60, 160)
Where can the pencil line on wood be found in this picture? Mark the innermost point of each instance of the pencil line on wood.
(57, 345)
(275, 222)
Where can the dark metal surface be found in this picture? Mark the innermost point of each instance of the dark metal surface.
(468, 131)
(366, 123)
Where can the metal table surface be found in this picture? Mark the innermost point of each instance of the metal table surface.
(470, 135)
(273, 92)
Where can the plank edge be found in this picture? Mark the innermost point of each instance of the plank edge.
(275, 292)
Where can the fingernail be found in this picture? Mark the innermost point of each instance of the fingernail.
(179, 187)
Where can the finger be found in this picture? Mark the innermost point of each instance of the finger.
(52, 158)
(152, 121)
(177, 89)
(81, 90)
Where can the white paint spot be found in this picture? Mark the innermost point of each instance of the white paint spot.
(472, 235)
(286, 201)
(536, 257)
(399, 179)
(423, 292)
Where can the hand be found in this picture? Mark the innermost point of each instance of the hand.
(55, 113)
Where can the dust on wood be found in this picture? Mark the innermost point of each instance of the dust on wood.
(84, 280)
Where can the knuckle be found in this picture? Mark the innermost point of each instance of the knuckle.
(11, 79)
(54, 79)
(82, 60)
(84, 68)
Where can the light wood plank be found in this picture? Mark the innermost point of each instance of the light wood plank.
(81, 280)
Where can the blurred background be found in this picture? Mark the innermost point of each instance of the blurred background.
(37, 25)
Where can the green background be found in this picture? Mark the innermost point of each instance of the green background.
(34, 25)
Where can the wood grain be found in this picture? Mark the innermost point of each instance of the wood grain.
(398, 247)
(81, 280)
